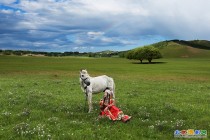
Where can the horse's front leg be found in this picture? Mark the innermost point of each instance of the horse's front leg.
(90, 101)
(86, 96)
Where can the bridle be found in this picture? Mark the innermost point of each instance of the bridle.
(86, 84)
(84, 81)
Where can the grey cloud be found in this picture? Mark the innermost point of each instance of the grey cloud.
(69, 24)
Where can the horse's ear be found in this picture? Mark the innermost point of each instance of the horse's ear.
(85, 70)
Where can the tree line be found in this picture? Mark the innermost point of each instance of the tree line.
(57, 54)
(22, 52)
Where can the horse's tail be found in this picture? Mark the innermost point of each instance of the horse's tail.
(110, 84)
(113, 89)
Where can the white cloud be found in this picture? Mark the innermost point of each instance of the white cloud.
(113, 7)
(7, 1)
(79, 48)
(6, 11)
(130, 16)
(95, 33)
(106, 39)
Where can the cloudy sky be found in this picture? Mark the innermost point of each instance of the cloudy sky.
(96, 25)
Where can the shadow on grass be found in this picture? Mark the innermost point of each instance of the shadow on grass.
(149, 63)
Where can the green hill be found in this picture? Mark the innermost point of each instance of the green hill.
(184, 49)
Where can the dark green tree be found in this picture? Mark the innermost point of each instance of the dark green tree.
(149, 53)
(130, 54)
(139, 54)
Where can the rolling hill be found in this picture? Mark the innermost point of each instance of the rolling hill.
(184, 49)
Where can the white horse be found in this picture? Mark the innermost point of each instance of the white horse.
(90, 85)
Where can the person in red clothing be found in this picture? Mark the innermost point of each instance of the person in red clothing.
(108, 108)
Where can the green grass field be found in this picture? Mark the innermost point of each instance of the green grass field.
(40, 98)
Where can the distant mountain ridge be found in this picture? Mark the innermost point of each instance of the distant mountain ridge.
(201, 44)
(182, 48)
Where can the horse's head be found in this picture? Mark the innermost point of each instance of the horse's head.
(84, 76)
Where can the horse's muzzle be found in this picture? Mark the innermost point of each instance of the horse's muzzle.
(87, 83)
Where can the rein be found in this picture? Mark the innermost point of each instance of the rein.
(83, 79)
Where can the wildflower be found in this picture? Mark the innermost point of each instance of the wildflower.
(151, 127)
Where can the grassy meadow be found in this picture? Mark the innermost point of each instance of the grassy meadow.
(40, 98)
